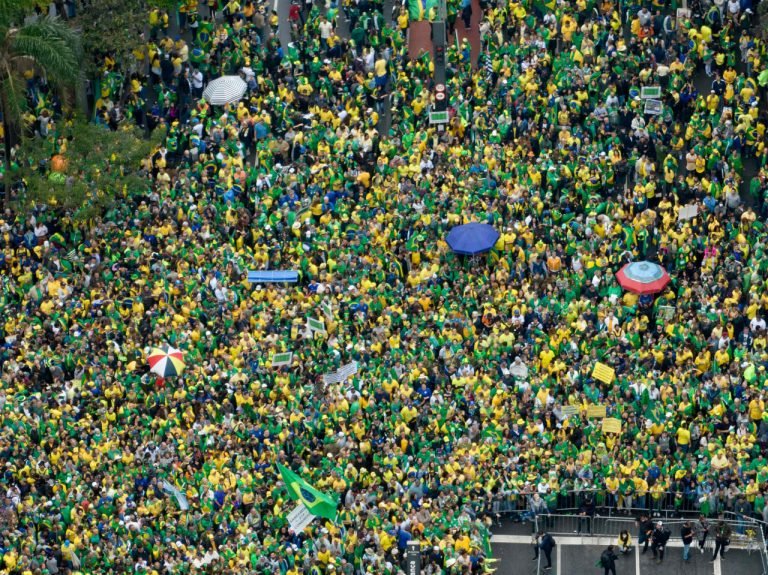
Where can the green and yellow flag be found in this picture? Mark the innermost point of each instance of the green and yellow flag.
(545, 6)
(418, 10)
(317, 503)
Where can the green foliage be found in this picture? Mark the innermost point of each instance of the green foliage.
(111, 26)
(762, 18)
(12, 12)
(114, 27)
(102, 166)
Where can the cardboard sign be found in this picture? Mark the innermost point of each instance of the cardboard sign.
(280, 359)
(596, 411)
(650, 92)
(340, 374)
(653, 107)
(687, 212)
(570, 410)
(603, 373)
(299, 518)
(667, 312)
(611, 425)
(316, 324)
(327, 309)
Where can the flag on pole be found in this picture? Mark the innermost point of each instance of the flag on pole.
(317, 502)
(545, 6)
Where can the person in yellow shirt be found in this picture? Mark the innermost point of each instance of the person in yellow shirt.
(756, 409)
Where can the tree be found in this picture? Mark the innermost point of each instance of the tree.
(47, 46)
(98, 166)
(114, 27)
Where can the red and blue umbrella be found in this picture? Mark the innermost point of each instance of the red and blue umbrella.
(643, 278)
(472, 239)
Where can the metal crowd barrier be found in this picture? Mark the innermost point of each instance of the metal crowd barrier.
(667, 505)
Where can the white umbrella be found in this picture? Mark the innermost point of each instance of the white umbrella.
(225, 90)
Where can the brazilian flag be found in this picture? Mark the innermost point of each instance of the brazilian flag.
(545, 6)
(316, 502)
(418, 10)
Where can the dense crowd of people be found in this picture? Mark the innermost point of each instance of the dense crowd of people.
(465, 365)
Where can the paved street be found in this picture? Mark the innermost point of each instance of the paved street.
(573, 557)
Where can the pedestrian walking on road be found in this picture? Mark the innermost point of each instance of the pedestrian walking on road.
(722, 539)
(645, 531)
(608, 561)
(659, 539)
(686, 532)
(546, 543)
(702, 531)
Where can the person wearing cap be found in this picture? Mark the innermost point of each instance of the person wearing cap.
(659, 539)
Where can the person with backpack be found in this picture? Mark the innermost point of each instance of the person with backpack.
(608, 561)
(686, 533)
(659, 539)
(546, 543)
(722, 539)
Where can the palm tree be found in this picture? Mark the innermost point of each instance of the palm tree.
(47, 46)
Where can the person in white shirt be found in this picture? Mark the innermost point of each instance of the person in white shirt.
(326, 29)
(196, 79)
(757, 324)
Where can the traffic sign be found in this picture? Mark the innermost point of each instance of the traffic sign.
(440, 96)
(440, 88)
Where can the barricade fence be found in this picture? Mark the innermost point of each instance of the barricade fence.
(667, 504)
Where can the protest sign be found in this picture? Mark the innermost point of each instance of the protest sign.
(299, 518)
(611, 425)
(687, 212)
(653, 107)
(316, 324)
(340, 374)
(596, 411)
(570, 410)
(280, 359)
(603, 373)
(650, 92)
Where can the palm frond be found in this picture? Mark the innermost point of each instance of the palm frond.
(53, 46)
(13, 96)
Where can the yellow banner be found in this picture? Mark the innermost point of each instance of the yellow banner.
(611, 425)
(570, 410)
(596, 411)
(603, 373)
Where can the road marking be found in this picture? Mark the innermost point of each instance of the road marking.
(637, 557)
(559, 562)
(718, 567)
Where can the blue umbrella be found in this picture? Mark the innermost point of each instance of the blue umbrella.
(471, 239)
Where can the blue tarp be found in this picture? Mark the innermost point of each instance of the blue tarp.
(273, 276)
